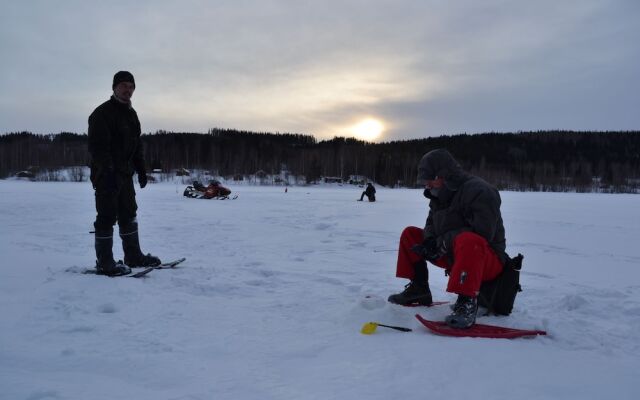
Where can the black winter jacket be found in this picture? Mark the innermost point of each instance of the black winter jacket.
(465, 203)
(370, 190)
(114, 140)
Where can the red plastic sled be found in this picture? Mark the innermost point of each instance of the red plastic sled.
(478, 330)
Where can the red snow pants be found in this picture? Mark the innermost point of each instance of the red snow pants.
(474, 261)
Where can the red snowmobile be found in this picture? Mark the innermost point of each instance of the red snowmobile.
(215, 190)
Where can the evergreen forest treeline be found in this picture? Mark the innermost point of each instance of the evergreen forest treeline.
(540, 161)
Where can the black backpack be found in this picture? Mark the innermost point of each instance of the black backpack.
(498, 295)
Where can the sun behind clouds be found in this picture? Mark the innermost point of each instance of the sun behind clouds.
(368, 129)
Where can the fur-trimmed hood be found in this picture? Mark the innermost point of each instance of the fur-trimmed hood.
(440, 163)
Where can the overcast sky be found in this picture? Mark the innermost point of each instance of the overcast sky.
(421, 68)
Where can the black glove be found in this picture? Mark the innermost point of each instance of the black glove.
(142, 179)
(428, 249)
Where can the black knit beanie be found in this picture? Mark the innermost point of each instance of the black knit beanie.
(122, 76)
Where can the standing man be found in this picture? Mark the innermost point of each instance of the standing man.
(116, 153)
(464, 235)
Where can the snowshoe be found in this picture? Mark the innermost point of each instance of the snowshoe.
(478, 330)
(114, 269)
(143, 261)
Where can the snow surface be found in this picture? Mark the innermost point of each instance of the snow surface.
(271, 299)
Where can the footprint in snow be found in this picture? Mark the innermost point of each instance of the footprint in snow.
(329, 280)
(67, 352)
(323, 226)
(44, 394)
(80, 329)
(267, 273)
(107, 308)
(573, 302)
(253, 264)
(372, 302)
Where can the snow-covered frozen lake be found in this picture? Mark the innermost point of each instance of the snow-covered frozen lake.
(271, 299)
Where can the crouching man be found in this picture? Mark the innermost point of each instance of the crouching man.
(464, 235)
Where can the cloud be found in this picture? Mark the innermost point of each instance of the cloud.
(317, 67)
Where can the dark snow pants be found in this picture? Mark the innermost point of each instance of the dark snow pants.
(115, 204)
(474, 261)
(371, 197)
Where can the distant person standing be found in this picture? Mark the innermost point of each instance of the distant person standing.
(116, 153)
(370, 192)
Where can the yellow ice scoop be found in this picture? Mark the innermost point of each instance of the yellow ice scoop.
(370, 327)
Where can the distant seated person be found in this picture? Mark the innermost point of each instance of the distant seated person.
(370, 192)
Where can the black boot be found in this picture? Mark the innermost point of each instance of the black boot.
(133, 256)
(416, 291)
(464, 313)
(105, 265)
